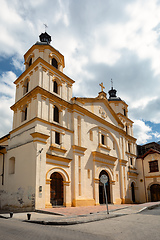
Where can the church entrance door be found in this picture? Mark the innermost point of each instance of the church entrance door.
(155, 192)
(56, 189)
(133, 192)
(102, 199)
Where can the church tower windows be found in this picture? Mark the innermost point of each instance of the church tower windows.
(54, 63)
(30, 62)
(56, 114)
(102, 139)
(24, 113)
(55, 87)
(26, 86)
(57, 138)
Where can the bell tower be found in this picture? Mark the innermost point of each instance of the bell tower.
(42, 84)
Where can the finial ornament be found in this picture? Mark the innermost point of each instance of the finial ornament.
(102, 87)
(45, 25)
(111, 83)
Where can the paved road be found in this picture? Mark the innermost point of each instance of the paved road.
(143, 226)
(11, 229)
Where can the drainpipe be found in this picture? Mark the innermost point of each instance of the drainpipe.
(2, 175)
(144, 180)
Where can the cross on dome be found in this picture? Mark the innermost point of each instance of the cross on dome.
(102, 87)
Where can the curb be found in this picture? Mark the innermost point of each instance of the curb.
(149, 207)
(73, 222)
(49, 213)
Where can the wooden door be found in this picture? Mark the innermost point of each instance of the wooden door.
(56, 189)
(155, 192)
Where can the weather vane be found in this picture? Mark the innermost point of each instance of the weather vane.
(45, 25)
(111, 83)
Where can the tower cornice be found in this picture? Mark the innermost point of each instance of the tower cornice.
(48, 66)
(42, 48)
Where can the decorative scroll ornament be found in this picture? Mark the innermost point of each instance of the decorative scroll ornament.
(102, 112)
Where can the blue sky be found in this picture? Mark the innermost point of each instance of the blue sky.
(100, 40)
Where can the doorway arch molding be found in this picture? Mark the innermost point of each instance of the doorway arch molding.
(107, 169)
(60, 170)
(108, 172)
(148, 189)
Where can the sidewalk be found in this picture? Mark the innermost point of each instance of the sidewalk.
(77, 215)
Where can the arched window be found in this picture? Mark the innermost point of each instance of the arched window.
(54, 63)
(55, 87)
(24, 113)
(30, 62)
(26, 86)
(56, 114)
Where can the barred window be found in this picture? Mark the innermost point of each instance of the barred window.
(153, 166)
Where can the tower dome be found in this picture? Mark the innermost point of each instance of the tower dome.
(45, 37)
(113, 96)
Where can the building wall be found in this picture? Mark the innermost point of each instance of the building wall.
(80, 156)
(146, 178)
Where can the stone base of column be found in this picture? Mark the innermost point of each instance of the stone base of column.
(83, 202)
(48, 205)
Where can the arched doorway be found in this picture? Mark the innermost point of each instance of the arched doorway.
(133, 192)
(102, 199)
(56, 189)
(155, 192)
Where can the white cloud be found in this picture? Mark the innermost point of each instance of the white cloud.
(100, 41)
(142, 132)
(7, 92)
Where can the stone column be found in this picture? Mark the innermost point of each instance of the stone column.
(47, 194)
(67, 194)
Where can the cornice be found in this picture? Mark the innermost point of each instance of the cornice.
(40, 120)
(42, 48)
(44, 93)
(123, 162)
(79, 149)
(103, 156)
(126, 118)
(4, 138)
(39, 135)
(45, 65)
(101, 120)
(55, 148)
(105, 101)
(58, 158)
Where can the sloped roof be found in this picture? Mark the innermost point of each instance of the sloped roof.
(150, 151)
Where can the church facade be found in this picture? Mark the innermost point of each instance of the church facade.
(60, 145)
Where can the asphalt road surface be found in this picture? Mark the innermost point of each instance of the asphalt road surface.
(143, 226)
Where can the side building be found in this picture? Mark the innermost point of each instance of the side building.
(60, 145)
(148, 162)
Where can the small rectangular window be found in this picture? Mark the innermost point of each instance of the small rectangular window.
(153, 166)
(57, 138)
(88, 173)
(12, 165)
(131, 161)
(91, 135)
(129, 147)
(114, 145)
(102, 139)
